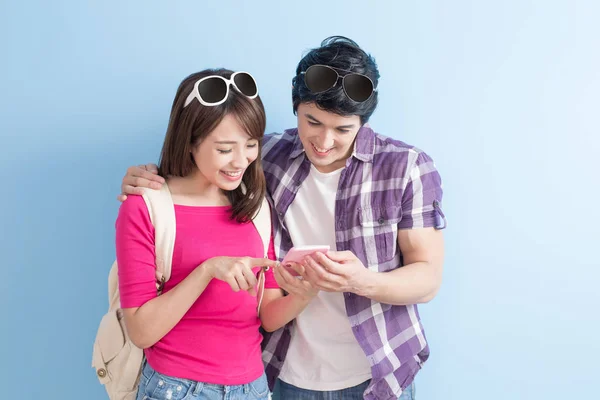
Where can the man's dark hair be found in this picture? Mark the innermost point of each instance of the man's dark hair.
(343, 53)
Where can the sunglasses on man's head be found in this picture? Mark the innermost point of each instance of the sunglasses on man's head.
(320, 78)
(213, 90)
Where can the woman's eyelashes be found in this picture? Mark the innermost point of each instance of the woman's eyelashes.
(226, 151)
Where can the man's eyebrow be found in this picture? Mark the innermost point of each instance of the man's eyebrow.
(311, 117)
(337, 127)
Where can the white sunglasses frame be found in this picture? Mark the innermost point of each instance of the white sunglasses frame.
(195, 94)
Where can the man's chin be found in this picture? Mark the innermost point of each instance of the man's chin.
(320, 161)
(327, 165)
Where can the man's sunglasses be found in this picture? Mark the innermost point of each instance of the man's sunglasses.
(214, 89)
(320, 78)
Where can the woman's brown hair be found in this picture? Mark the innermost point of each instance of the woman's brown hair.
(191, 125)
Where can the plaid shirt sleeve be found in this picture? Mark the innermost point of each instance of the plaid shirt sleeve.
(422, 197)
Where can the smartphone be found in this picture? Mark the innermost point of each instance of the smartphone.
(297, 254)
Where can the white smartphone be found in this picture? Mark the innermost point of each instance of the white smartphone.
(297, 254)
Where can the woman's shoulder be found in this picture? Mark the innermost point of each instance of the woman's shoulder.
(134, 209)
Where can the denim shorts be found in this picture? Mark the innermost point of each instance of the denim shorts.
(285, 391)
(156, 386)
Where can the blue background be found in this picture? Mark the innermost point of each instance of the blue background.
(503, 95)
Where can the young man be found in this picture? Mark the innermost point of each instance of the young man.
(377, 202)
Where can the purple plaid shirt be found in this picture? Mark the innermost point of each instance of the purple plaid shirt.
(386, 185)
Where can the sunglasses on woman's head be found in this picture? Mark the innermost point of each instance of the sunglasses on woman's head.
(214, 89)
(320, 78)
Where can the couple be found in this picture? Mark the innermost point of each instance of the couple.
(350, 328)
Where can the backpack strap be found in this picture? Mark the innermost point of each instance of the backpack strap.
(262, 222)
(162, 214)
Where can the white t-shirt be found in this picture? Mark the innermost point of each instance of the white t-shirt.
(323, 354)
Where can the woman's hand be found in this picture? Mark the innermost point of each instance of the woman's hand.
(295, 285)
(236, 271)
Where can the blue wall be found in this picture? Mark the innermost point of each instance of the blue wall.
(503, 95)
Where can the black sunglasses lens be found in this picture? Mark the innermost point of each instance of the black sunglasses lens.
(245, 83)
(212, 90)
(319, 79)
(358, 87)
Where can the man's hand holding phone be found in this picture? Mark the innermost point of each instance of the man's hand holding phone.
(294, 259)
(338, 271)
(288, 274)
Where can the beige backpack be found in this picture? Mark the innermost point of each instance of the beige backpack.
(117, 361)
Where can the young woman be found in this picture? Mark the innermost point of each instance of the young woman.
(201, 336)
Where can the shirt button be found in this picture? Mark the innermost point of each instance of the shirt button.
(381, 220)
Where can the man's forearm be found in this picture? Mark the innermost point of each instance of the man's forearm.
(411, 284)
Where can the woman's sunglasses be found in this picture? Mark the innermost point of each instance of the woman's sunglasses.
(214, 89)
(320, 78)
